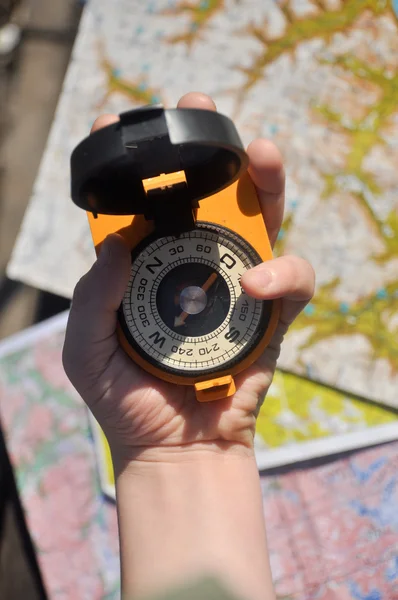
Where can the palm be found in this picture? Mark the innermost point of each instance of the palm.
(140, 407)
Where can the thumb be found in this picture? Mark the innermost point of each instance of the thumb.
(288, 277)
(90, 338)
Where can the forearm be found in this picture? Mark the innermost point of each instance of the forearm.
(199, 515)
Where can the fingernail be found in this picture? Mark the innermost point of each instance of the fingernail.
(104, 256)
(264, 278)
(259, 277)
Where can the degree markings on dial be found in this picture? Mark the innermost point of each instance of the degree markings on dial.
(240, 343)
(164, 355)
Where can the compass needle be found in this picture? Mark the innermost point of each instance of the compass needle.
(209, 282)
(197, 303)
(180, 320)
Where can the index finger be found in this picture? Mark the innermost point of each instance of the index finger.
(268, 175)
(103, 121)
(190, 100)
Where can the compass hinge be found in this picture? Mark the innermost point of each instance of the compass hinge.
(168, 203)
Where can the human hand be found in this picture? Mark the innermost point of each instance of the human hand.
(142, 416)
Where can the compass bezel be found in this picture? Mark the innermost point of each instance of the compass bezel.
(258, 336)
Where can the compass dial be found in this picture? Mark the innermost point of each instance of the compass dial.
(184, 310)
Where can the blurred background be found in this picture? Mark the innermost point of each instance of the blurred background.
(319, 78)
(36, 39)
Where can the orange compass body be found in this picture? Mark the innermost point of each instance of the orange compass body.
(167, 307)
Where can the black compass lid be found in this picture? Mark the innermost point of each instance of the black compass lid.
(109, 166)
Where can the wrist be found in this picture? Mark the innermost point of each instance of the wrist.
(189, 514)
(131, 460)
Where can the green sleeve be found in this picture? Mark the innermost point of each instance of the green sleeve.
(205, 589)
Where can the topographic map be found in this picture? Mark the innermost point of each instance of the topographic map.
(320, 78)
(332, 525)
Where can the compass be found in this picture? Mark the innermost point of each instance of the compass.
(184, 307)
(173, 183)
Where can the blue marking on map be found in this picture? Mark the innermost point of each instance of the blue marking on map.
(309, 310)
(382, 293)
(358, 595)
(344, 308)
(364, 475)
(392, 572)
